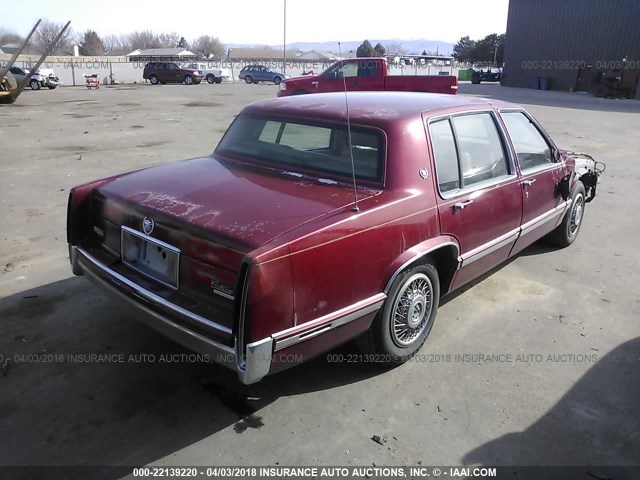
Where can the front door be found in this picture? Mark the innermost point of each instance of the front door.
(358, 75)
(480, 198)
(541, 173)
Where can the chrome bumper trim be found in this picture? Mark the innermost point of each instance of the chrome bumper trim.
(251, 369)
(82, 256)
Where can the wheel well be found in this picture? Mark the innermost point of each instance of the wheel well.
(446, 263)
(444, 259)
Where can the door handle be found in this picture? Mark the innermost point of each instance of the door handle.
(315, 83)
(529, 182)
(462, 205)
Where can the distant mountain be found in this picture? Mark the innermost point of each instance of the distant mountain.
(411, 46)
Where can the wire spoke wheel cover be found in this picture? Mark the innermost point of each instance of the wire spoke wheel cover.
(411, 310)
(577, 210)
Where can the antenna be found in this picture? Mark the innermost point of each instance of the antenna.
(346, 102)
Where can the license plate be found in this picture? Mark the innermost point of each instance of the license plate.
(153, 258)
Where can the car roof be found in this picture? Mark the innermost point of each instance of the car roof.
(372, 107)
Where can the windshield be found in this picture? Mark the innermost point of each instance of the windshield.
(309, 147)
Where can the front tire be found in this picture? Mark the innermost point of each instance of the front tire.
(154, 79)
(188, 80)
(35, 85)
(567, 232)
(52, 87)
(219, 80)
(248, 79)
(277, 80)
(404, 323)
(210, 79)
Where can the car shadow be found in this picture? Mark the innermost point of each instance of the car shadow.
(82, 383)
(595, 423)
(550, 98)
(540, 247)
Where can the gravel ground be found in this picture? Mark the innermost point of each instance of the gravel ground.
(558, 383)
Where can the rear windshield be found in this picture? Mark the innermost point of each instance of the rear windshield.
(317, 148)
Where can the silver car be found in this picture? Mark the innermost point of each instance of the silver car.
(45, 77)
(260, 73)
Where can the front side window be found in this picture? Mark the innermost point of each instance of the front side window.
(467, 150)
(296, 146)
(531, 148)
(344, 70)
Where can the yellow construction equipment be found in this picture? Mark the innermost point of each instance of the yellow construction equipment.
(10, 89)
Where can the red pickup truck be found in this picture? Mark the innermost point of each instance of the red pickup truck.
(366, 74)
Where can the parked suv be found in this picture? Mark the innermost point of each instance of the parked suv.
(171, 72)
(260, 73)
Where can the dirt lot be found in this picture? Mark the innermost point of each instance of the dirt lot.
(561, 326)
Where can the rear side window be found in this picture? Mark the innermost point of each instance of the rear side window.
(310, 147)
(468, 150)
(530, 146)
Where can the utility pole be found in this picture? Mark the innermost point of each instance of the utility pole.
(284, 43)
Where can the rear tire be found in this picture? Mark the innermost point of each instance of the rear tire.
(52, 87)
(403, 325)
(567, 232)
(210, 79)
(35, 85)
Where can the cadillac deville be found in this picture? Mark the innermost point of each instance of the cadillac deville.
(306, 228)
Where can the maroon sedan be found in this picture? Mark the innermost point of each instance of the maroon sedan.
(305, 228)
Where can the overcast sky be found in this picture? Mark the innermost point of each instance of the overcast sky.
(261, 21)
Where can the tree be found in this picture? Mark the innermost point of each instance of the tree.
(208, 46)
(463, 51)
(365, 50)
(395, 49)
(169, 40)
(116, 42)
(47, 33)
(424, 52)
(380, 50)
(9, 37)
(91, 44)
(183, 43)
(143, 40)
(489, 50)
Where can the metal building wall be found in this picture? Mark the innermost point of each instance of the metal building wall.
(552, 38)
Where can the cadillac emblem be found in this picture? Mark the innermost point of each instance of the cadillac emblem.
(147, 225)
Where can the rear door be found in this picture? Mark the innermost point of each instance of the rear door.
(540, 171)
(174, 74)
(480, 198)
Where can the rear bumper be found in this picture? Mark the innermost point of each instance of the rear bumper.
(251, 362)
